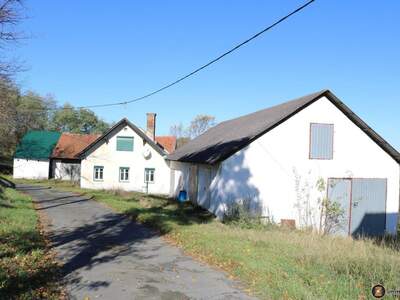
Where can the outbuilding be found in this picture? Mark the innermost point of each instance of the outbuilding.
(285, 160)
(65, 164)
(33, 154)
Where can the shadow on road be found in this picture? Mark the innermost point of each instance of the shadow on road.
(108, 239)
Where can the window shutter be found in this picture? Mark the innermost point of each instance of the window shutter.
(124, 143)
(321, 141)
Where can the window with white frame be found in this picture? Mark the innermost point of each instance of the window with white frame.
(98, 173)
(149, 175)
(123, 174)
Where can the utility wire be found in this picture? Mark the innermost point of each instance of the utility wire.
(203, 66)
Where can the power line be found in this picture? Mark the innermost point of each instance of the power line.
(202, 67)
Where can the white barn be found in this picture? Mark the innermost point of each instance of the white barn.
(275, 157)
(127, 158)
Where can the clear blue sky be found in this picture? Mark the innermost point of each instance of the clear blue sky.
(89, 52)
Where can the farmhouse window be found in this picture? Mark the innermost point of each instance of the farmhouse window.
(123, 174)
(98, 173)
(321, 141)
(124, 143)
(149, 175)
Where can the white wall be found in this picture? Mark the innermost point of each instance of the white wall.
(106, 155)
(180, 177)
(31, 169)
(266, 169)
(64, 170)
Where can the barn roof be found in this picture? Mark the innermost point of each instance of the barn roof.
(37, 144)
(70, 144)
(226, 138)
(168, 142)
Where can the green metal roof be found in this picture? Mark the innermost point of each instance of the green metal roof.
(37, 144)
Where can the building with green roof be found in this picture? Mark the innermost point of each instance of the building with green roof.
(32, 156)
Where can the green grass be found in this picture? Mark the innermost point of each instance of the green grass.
(274, 263)
(27, 269)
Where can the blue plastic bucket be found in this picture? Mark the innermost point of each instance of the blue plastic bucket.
(182, 197)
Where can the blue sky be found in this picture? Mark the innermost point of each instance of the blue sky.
(90, 52)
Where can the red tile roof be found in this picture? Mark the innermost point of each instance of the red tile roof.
(70, 144)
(168, 142)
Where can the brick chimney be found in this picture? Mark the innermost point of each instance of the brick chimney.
(151, 125)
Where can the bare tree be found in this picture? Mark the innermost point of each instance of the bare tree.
(10, 17)
(200, 124)
(180, 133)
(197, 126)
(177, 130)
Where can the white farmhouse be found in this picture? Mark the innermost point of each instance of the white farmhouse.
(127, 158)
(275, 157)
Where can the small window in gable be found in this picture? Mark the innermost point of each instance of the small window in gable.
(321, 141)
(124, 143)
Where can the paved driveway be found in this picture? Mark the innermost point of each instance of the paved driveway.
(107, 256)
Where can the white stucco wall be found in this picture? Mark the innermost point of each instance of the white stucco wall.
(276, 171)
(180, 177)
(31, 169)
(64, 170)
(107, 156)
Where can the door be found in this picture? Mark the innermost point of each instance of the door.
(363, 201)
(368, 210)
(339, 191)
(204, 181)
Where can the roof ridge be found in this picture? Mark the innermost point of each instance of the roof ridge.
(315, 94)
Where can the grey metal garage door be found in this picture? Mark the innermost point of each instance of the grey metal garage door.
(368, 212)
(363, 201)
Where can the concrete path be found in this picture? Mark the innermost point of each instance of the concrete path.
(107, 256)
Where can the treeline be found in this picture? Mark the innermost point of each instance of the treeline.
(24, 111)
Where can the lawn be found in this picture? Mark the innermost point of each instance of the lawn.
(27, 268)
(274, 263)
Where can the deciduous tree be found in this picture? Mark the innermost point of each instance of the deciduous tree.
(69, 119)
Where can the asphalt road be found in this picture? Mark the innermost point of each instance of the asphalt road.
(107, 256)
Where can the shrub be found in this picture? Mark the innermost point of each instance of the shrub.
(245, 213)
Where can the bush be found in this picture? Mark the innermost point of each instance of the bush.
(243, 214)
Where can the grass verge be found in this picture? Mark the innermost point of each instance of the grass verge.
(27, 269)
(274, 263)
